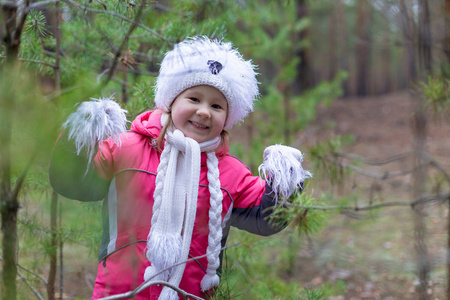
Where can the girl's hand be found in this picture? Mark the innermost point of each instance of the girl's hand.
(283, 170)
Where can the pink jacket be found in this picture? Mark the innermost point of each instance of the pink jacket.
(127, 178)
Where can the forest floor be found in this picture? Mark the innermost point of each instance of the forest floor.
(373, 253)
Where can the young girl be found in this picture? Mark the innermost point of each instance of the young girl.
(171, 189)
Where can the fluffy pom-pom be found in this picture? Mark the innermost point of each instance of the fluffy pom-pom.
(95, 121)
(283, 169)
(210, 280)
(164, 251)
(151, 273)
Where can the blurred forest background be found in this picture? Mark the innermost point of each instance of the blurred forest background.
(360, 86)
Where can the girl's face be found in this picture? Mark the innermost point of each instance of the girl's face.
(200, 112)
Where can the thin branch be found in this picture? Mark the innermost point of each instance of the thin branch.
(59, 93)
(34, 61)
(418, 201)
(438, 166)
(34, 274)
(426, 156)
(39, 62)
(386, 175)
(166, 8)
(18, 31)
(149, 283)
(125, 42)
(28, 271)
(373, 161)
(42, 3)
(111, 13)
(30, 286)
(22, 176)
(13, 4)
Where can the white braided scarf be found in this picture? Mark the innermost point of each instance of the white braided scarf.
(175, 196)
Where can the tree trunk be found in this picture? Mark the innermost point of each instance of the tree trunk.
(54, 201)
(333, 47)
(343, 51)
(9, 208)
(54, 246)
(448, 252)
(13, 25)
(419, 180)
(362, 53)
(424, 36)
(447, 30)
(304, 78)
(408, 32)
(386, 62)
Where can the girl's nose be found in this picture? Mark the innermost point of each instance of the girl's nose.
(203, 112)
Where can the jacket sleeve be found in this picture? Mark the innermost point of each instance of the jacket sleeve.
(253, 202)
(256, 219)
(70, 176)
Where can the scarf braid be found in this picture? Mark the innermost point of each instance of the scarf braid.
(175, 195)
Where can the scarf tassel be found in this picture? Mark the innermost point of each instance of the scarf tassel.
(210, 280)
(164, 251)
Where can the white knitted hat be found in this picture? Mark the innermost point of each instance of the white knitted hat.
(201, 61)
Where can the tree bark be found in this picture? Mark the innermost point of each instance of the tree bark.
(419, 180)
(424, 36)
(333, 47)
(363, 46)
(13, 25)
(408, 32)
(447, 30)
(54, 244)
(305, 78)
(343, 51)
(9, 209)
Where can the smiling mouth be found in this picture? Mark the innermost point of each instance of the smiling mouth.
(198, 125)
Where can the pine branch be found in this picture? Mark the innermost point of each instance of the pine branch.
(117, 15)
(149, 283)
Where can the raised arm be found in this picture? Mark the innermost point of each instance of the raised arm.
(71, 169)
(70, 175)
(284, 176)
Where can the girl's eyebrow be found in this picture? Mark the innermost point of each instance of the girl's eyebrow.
(194, 94)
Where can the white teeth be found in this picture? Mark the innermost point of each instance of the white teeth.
(198, 125)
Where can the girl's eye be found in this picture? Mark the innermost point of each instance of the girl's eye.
(194, 99)
(216, 106)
